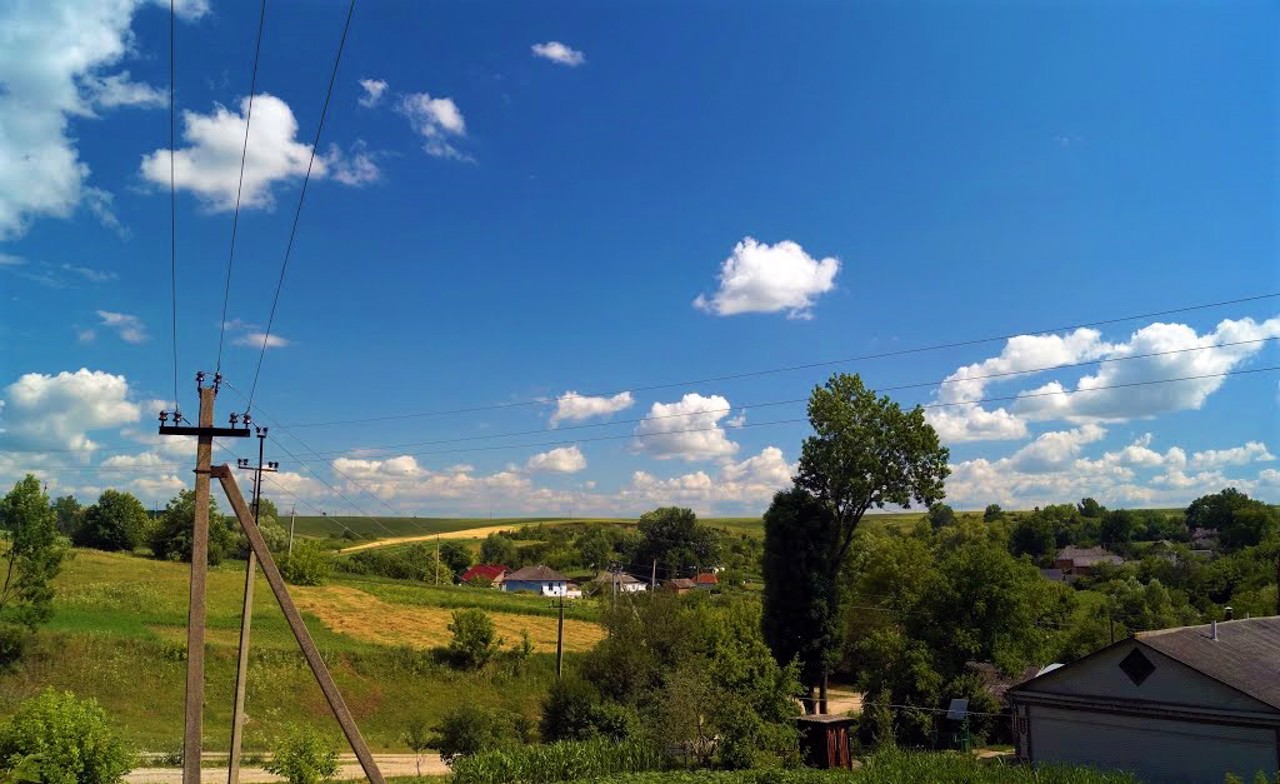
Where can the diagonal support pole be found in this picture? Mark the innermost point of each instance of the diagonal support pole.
(291, 614)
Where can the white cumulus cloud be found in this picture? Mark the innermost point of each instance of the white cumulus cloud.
(573, 407)
(374, 89)
(438, 121)
(762, 278)
(210, 166)
(688, 429)
(1056, 450)
(556, 52)
(129, 328)
(561, 460)
(260, 339)
(1253, 451)
(119, 89)
(57, 412)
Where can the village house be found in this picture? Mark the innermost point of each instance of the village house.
(1190, 704)
(620, 582)
(537, 579)
(680, 585)
(494, 574)
(1083, 560)
(706, 581)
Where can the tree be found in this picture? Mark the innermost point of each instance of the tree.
(940, 516)
(801, 597)
(865, 452)
(499, 550)
(64, 740)
(992, 513)
(117, 522)
(1118, 527)
(475, 639)
(34, 558)
(417, 737)
(171, 539)
(69, 513)
(574, 710)
(470, 728)
(595, 548)
(1240, 520)
(1089, 507)
(455, 556)
(303, 756)
(308, 564)
(673, 537)
(1033, 535)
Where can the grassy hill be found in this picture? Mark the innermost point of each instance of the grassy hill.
(118, 634)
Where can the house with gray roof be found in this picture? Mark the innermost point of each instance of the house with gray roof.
(1190, 704)
(537, 579)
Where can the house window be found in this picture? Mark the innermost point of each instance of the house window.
(1137, 667)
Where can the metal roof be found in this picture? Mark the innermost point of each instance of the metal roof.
(1246, 655)
(536, 574)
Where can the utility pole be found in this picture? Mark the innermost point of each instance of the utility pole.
(437, 559)
(293, 508)
(653, 577)
(193, 735)
(246, 615)
(560, 640)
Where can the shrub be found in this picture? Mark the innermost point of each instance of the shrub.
(598, 759)
(469, 729)
(474, 639)
(303, 757)
(308, 564)
(63, 740)
(117, 522)
(573, 710)
(171, 538)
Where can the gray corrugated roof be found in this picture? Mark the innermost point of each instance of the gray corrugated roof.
(1246, 655)
(536, 574)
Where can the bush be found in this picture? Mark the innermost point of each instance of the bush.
(474, 639)
(171, 538)
(573, 710)
(117, 522)
(63, 740)
(303, 757)
(597, 760)
(469, 729)
(308, 564)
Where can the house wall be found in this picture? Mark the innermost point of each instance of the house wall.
(1155, 750)
(554, 588)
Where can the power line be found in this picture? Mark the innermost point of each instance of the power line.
(803, 419)
(293, 232)
(244, 154)
(767, 404)
(173, 212)
(792, 368)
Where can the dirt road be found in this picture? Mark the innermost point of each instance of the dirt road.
(349, 769)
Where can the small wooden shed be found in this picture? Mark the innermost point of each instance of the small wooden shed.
(825, 741)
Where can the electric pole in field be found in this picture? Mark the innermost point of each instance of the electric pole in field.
(560, 640)
(193, 735)
(293, 509)
(246, 615)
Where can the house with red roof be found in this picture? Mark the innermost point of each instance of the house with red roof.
(494, 574)
(706, 581)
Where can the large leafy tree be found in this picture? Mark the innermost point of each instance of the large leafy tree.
(498, 549)
(673, 537)
(171, 539)
(865, 453)
(69, 513)
(118, 521)
(33, 559)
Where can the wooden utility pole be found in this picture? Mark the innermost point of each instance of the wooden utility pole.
(437, 559)
(246, 614)
(293, 509)
(653, 577)
(298, 626)
(193, 734)
(560, 640)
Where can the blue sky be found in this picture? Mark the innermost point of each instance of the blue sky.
(512, 201)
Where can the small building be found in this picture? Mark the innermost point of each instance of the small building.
(1083, 560)
(680, 585)
(494, 574)
(537, 579)
(825, 741)
(620, 581)
(1054, 575)
(1182, 705)
(706, 581)
(1204, 538)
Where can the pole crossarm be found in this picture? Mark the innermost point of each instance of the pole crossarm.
(210, 432)
(225, 475)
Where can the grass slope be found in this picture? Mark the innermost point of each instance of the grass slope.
(119, 633)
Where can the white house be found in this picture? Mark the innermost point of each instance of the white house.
(1176, 705)
(537, 579)
(621, 582)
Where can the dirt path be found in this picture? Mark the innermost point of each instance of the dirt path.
(349, 769)
(466, 533)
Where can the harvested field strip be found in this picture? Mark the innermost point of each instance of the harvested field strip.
(357, 614)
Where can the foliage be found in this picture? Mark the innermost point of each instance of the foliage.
(64, 740)
(499, 550)
(594, 760)
(118, 521)
(417, 737)
(308, 564)
(1089, 507)
(992, 513)
(415, 562)
(456, 557)
(574, 710)
(940, 515)
(474, 640)
(469, 729)
(171, 539)
(673, 537)
(801, 593)
(70, 514)
(1033, 535)
(303, 756)
(33, 559)
(1118, 527)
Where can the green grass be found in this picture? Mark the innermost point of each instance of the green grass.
(118, 635)
(460, 596)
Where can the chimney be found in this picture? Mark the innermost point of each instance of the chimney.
(1213, 635)
(1229, 612)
